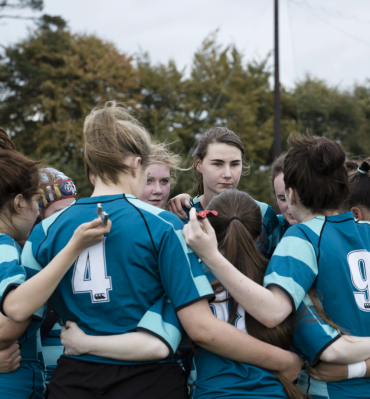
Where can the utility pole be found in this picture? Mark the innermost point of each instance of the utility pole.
(277, 108)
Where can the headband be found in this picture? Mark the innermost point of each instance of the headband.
(204, 214)
(54, 186)
(361, 171)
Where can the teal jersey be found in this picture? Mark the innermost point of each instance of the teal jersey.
(214, 376)
(271, 229)
(52, 350)
(29, 378)
(283, 224)
(332, 255)
(115, 282)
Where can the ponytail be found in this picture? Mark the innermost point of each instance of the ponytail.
(238, 226)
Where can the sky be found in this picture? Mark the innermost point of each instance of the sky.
(328, 39)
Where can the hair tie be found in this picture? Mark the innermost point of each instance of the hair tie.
(362, 171)
(234, 217)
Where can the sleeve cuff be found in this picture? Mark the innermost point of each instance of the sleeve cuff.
(209, 297)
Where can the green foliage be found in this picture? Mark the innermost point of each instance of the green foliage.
(50, 81)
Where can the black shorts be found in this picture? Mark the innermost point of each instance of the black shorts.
(76, 379)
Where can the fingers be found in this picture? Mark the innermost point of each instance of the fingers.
(175, 206)
(69, 324)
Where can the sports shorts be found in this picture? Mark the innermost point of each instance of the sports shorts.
(88, 380)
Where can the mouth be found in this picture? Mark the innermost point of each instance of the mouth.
(226, 184)
(155, 201)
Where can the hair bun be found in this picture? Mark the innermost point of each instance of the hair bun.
(365, 167)
(326, 156)
(5, 142)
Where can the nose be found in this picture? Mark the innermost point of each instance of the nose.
(227, 172)
(157, 189)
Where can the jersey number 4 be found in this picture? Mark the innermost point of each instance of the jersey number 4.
(90, 274)
(359, 264)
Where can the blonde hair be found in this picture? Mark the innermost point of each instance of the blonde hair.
(111, 134)
(160, 154)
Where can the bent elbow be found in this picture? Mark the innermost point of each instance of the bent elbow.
(16, 315)
(272, 321)
(330, 355)
(162, 351)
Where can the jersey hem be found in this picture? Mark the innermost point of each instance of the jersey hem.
(142, 329)
(287, 292)
(209, 297)
(316, 360)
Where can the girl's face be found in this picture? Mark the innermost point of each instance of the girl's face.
(221, 168)
(279, 186)
(157, 187)
(24, 220)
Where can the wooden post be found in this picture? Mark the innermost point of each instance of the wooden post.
(277, 107)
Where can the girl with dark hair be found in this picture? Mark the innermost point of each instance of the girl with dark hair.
(218, 166)
(327, 252)
(277, 184)
(21, 301)
(359, 188)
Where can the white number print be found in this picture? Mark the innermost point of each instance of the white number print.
(359, 264)
(90, 274)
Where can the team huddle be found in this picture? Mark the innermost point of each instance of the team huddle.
(215, 297)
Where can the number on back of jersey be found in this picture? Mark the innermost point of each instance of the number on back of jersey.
(90, 274)
(359, 264)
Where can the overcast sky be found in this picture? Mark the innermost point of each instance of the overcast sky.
(330, 39)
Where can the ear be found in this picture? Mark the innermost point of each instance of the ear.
(292, 195)
(92, 178)
(357, 213)
(198, 164)
(135, 165)
(18, 203)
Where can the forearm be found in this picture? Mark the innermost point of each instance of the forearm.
(26, 299)
(225, 340)
(259, 302)
(138, 346)
(347, 350)
(241, 347)
(10, 331)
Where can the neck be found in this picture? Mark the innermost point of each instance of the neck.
(306, 215)
(123, 186)
(205, 199)
(7, 228)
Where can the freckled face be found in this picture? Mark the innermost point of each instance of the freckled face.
(279, 186)
(157, 188)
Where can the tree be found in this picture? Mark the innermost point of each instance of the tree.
(51, 81)
(34, 5)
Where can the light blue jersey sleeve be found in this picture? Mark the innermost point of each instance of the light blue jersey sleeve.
(312, 335)
(161, 321)
(293, 267)
(32, 267)
(12, 273)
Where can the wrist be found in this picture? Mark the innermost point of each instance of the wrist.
(213, 259)
(71, 251)
(86, 345)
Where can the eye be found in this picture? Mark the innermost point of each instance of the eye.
(165, 181)
(235, 164)
(217, 163)
(281, 198)
(148, 181)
